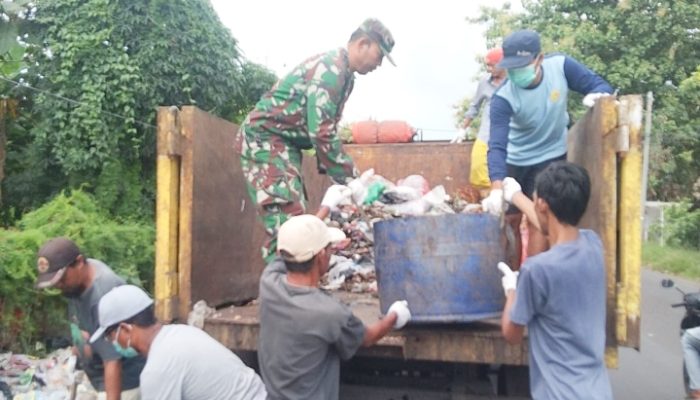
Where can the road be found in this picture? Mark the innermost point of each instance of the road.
(655, 372)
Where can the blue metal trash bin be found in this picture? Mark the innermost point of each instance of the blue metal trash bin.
(444, 266)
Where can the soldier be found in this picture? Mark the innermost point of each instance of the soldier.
(300, 112)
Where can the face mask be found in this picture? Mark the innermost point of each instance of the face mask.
(127, 352)
(523, 77)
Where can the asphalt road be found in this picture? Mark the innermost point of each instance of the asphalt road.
(655, 372)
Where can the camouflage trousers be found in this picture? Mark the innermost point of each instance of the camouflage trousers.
(272, 170)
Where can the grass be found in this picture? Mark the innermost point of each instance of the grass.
(672, 260)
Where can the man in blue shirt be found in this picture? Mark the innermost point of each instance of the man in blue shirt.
(529, 120)
(560, 293)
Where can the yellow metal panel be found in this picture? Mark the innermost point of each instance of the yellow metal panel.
(184, 259)
(630, 227)
(167, 203)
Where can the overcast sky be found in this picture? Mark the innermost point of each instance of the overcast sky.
(435, 51)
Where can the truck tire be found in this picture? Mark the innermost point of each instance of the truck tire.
(514, 380)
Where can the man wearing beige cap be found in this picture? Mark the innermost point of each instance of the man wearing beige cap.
(184, 362)
(302, 112)
(61, 265)
(304, 332)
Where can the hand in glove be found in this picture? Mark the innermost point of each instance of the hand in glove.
(510, 277)
(590, 98)
(494, 202)
(510, 188)
(335, 195)
(359, 186)
(403, 314)
(460, 137)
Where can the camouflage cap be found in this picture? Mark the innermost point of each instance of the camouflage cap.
(378, 32)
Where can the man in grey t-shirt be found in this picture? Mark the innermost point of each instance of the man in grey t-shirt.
(304, 332)
(560, 293)
(84, 281)
(184, 362)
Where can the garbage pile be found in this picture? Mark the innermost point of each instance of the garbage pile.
(51, 378)
(374, 198)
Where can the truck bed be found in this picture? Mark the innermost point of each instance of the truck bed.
(478, 342)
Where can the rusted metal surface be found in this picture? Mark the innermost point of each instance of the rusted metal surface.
(592, 144)
(219, 233)
(441, 163)
(238, 327)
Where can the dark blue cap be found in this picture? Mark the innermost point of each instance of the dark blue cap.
(520, 48)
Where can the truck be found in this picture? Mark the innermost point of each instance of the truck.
(208, 247)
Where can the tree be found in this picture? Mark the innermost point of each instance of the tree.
(102, 67)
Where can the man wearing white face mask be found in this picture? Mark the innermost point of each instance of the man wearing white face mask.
(183, 362)
(529, 120)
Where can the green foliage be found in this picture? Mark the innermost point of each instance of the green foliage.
(681, 227)
(668, 259)
(257, 80)
(119, 60)
(28, 314)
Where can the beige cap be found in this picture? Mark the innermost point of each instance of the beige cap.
(303, 236)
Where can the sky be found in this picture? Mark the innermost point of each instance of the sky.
(436, 51)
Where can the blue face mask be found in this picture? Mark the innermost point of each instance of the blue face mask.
(523, 77)
(128, 352)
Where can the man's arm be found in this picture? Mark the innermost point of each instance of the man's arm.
(475, 105)
(321, 124)
(501, 112)
(527, 207)
(379, 329)
(113, 379)
(583, 80)
(511, 331)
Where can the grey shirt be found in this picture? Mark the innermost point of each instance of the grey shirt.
(483, 96)
(560, 296)
(82, 315)
(185, 363)
(304, 333)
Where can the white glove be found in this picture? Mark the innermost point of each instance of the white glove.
(510, 188)
(590, 98)
(358, 186)
(335, 195)
(460, 136)
(403, 314)
(494, 202)
(510, 277)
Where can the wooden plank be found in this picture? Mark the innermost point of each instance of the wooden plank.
(481, 342)
(592, 144)
(167, 205)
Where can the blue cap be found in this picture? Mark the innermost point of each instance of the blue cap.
(520, 48)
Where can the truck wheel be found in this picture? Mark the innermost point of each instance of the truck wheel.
(514, 380)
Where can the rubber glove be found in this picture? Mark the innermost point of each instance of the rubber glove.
(335, 195)
(510, 277)
(358, 186)
(460, 136)
(510, 188)
(403, 314)
(493, 203)
(590, 98)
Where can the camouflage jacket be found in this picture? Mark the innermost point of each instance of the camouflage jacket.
(303, 110)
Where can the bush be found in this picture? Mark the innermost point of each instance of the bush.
(682, 227)
(28, 314)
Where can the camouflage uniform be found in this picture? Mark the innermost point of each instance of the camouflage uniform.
(300, 112)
